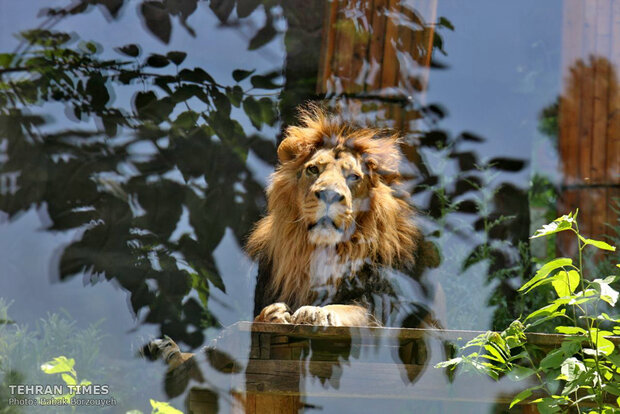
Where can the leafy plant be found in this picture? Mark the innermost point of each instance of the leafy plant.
(65, 367)
(583, 372)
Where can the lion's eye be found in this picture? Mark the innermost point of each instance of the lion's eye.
(353, 177)
(312, 170)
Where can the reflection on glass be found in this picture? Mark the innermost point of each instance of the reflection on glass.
(135, 150)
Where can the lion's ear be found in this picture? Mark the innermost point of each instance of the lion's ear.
(297, 141)
(288, 150)
(384, 159)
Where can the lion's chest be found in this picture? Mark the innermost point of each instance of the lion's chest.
(327, 268)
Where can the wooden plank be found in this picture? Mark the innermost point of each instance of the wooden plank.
(587, 92)
(390, 63)
(327, 48)
(404, 334)
(270, 404)
(358, 66)
(343, 54)
(377, 43)
(613, 138)
(571, 96)
(598, 165)
(597, 199)
(375, 380)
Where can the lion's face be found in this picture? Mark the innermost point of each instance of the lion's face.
(333, 190)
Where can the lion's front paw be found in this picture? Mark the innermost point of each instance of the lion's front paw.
(315, 315)
(275, 313)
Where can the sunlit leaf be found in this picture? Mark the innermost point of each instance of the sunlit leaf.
(603, 345)
(58, 365)
(449, 363)
(570, 330)
(560, 224)
(69, 379)
(607, 293)
(160, 407)
(544, 271)
(520, 397)
(544, 311)
(571, 369)
(565, 283)
(600, 244)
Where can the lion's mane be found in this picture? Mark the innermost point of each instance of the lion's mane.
(385, 233)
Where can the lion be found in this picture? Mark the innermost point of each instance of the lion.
(339, 230)
(334, 220)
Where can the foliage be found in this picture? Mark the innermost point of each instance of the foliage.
(174, 153)
(583, 372)
(478, 216)
(65, 367)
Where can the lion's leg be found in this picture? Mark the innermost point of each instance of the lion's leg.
(169, 351)
(333, 315)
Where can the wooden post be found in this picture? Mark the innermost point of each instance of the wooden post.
(378, 49)
(589, 136)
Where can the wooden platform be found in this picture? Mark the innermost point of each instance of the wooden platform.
(272, 368)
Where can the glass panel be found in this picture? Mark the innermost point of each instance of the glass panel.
(137, 140)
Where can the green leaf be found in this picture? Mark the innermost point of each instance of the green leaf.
(553, 359)
(561, 313)
(519, 373)
(548, 406)
(186, 120)
(560, 224)
(606, 292)
(235, 95)
(253, 110)
(544, 311)
(571, 369)
(157, 61)
(239, 75)
(160, 407)
(58, 365)
(176, 57)
(520, 397)
(97, 91)
(600, 245)
(449, 363)
(570, 330)
(6, 59)
(69, 379)
(603, 345)
(129, 50)
(264, 35)
(265, 81)
(447, 24)
(544, 271)
(565, 283)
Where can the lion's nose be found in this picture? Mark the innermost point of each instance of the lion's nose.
(329, 196)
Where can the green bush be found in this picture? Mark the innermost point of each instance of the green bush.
(583, 372)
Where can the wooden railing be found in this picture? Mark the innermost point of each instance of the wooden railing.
(289, 367)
